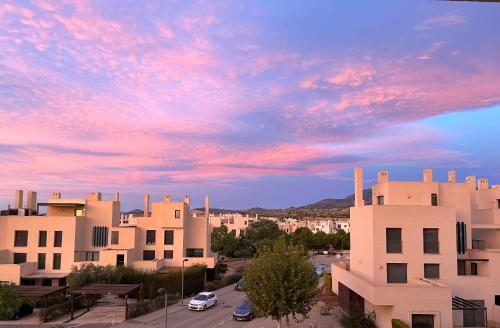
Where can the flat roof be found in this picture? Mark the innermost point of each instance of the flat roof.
(38, 291)
(61, 204)
(101, 289)
(46, 275)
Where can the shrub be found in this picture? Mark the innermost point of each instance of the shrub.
(9, 302)
(396, 323)
(356, 318)
(327, 278)
(243, 253)
(220, 283)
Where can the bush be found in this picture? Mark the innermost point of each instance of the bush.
(9, 302)
(220, 283)
(356, 318)
(243, 253)
(327, 278)
(396, 323)
(151, 305)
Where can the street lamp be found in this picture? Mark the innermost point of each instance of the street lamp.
(163, 291)
(182, 283)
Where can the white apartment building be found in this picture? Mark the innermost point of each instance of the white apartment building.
(235, 222)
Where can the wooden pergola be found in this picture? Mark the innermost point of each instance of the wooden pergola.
(92, 290)
(40, 291)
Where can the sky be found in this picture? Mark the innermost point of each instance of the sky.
(255, 103)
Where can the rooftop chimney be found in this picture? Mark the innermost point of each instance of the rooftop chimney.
(427, 175)
(483, 184)
(94, 196)
(117, 197)
(471, 180)
(452, 177)
(207, 206)
(19, 199)
(167, 198)
(187, 199)
(358, 187)
(383, 176)
(56, 195)
(146, 205)
(31, 201)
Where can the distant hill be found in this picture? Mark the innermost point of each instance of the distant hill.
(331, 203)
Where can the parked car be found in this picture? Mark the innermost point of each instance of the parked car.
(319, 269)
(244, 311)
(239, 285)
(203, 301)
(23, 311)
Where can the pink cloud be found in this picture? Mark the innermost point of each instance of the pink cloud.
(351, 76)
(440, 21)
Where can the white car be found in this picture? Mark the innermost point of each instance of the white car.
(203, 301)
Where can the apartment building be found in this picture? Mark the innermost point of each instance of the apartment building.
(426, 252)
(41, 242)
(235, 222)
(326, 225)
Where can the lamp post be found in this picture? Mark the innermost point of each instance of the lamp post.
(163, 291)
(182, 283)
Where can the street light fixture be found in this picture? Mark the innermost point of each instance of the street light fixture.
(182, 283)
(163, 291)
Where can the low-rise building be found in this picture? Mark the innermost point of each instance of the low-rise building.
(41, 249)
(425, 252)
(235, 222)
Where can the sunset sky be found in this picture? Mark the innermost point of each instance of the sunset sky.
(256, 103)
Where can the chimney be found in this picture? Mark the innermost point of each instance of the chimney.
(452, 177)
(187, 199)
(207, 206)
(56, 195)
(471, 180)
(167, 198)
(19, 199)
(146, 205)
(358, 187)
(117, 197)
(483, 184)
(31, 202)
(94, 196)
(383, 176)
(427, 175)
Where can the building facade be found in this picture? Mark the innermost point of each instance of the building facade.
(41, 249)
(235, 222)
(426, 252)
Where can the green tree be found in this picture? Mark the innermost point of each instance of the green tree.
(224, 242)
(303, 236)
(281, 282)
(262, 229)
(320, 240)
(9, 302)
(339, 240)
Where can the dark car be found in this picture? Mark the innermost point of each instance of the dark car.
(23, 311)
(239, 285)
(244, 311)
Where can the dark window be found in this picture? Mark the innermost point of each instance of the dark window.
(431, 241)
(56, 263)
(396, 273)
(497, 300)
(434, 199)
(168, 254)
(461, 268)
(177, 214)
(19, 258)
(242, 233)
(115, 237)
(380, 200)
(120, 259)
(422, 321)
(473, 269)
(57, 238)
(168, 238)
(461, 237)
(431, 270)
(21, 238)
(148, 255)
(91, 256)
(393, 240)
(100, 236)
(194, 252)
(150, 237)
(498, 203)
(41, 261)
(42, 238)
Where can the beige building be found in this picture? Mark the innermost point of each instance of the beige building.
(40, 248)
(235, 222)
(426, 252)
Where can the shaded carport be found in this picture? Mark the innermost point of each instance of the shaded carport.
(473, 312)
(40, 291)
(94, 290)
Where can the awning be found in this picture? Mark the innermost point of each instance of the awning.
(38, 291)
(458, 303)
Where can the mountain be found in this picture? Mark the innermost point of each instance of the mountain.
(331, 203)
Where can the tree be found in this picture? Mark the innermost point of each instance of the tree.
(262, 229)
(9, 302)
(281, 282)
(303, 236)
(224, 242)
(339, 240)
(320, 240)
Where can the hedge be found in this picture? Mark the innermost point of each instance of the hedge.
(396, 323)
(151, 305)
(220, 283)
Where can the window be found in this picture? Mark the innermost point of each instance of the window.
(91, 256)
(167, 254)
(498, 203)
(497, 300)
(177, 214)
(396, 273)
(115, 237)
(393, 240)
(242, 233)
(475, 317)
(461, 237)
(461, 268)
(431, 241)
(41, 261)
(21, 238)
(473, 269)
(42, 238)
(100, 236)
(120, 259)
(194, 252)
(380, 200)
(19, 258)
(148, 255)
(434, 199)
(431, 270)
(168, 238)
(422, 321)
(56, 261)
(57, 238)
(150, 237)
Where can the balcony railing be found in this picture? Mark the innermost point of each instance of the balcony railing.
(478, 244)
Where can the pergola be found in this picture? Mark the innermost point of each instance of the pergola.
(39, 291)
(460, 304)
(105, 289)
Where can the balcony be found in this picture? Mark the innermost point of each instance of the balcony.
(478, 244)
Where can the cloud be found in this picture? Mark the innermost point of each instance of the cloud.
(440, 21)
